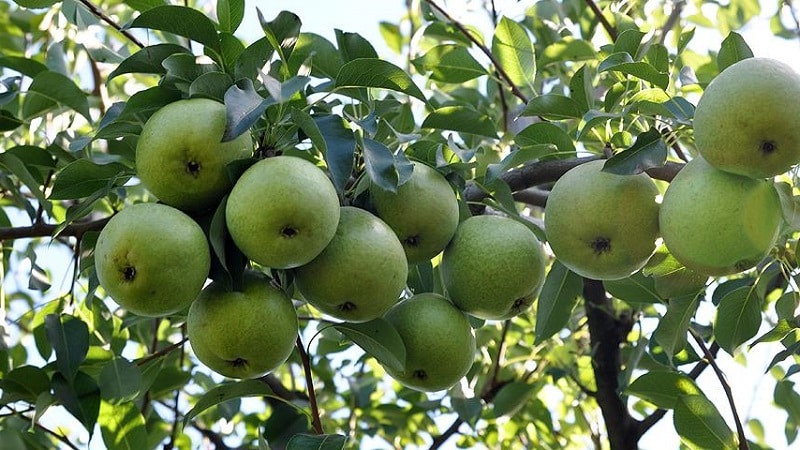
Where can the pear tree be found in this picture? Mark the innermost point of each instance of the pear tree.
(535, 224)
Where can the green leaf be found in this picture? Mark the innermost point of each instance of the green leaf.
(281, 33)
(69, 337)
(317, 52)
(671, 278)
(392, 36)
(36, 4)
(120, 381)
(25, 66)
(379, 339)
(182, 21)
(647, 152)
(147, 60)
(383, 167)
(560, 293)
(700, 425)
(353, 46)
(513, 49)
(337, 144)
(553, 107)
(581, 89)
(122, 426)
(449, 63)
(512, 397)
(567, 49)
(461, 119)
(636, 289)
(733, 49)
(252, 60)
(377, 73)
(628, 42)
(244, 105)
(23, 383)
(672, 328)
(316, 442)
(50, 89)
(81, 397)
(738, 318)
(82, 178)
(211, 85)
(790, 204)
(778, 332)
(623, 63)
(230, 14)
(229, 391)
(546, 133)
(662, 388)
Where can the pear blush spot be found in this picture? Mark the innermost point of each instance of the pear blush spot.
(601, 245)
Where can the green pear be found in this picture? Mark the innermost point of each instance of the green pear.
(180, 157)
(602, 225)
(242, 334)
(718, 223)
(152, 259)
(745, 121)
(493, 267)
(439, 341)
(360, 274)
(423, 212)
(282, 212)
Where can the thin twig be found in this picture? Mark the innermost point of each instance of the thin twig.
(164, 351)
(63, 439)
(725, 387)
(610, 29)
(498, 67)
(105, 18)
(312, 397)
(672, 20)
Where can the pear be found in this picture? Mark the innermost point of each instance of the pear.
(282, 212)
(180, 157)
(493, 267)
(360, 274)
(718, 223)
(423, 212)
(439, 341)
(746, 120)
(602, 225)
(242, 334)
(152, 259)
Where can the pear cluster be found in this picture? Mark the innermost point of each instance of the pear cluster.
(283, 213)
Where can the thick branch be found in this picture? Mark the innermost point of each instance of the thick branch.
(498, 67)
(610, 29)
(607, 333)
(45, 229)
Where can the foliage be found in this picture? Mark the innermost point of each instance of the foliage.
(502, 113)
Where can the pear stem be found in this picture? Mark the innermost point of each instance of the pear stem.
(312, 397)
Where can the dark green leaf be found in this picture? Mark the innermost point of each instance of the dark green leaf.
(546, 133)
(81, 397)
(24, 383)
(182, 21)
(82, 178)
(778, 332)
(244, 106)
(122, 426)
(318, 53)
(512, 397)
(182, 70)
(147, 60)
(211, 85)
(252, 59)
(738, 318)
(281, 33)
(229, 391)
(628, 42)
(377, 73)
(25, 66)
(316, 442)
(449, 63)
(353, 46)
(337, 144)
(379, 339)
(379, 162)
(700, 425)
(514, 51)
(672, 328)
(69, 337)
(560, 293)
(663, 388)
(581, 89)
(230, 14)
(623, 63)
(636, 289)
(51, 89)
(461, 119)
(733, 49)
(36, 4)
(647, 152)
(553, 107)
(120, 381)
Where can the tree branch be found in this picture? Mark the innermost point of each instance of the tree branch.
(610, 29)
(312, 397)
(725, 387)
(105, 18)
(607, 333)
(498, 67)
(47, 230)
